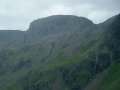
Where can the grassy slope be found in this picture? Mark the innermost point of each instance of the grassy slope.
(74, 76)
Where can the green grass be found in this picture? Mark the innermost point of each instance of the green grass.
(109, 79)
(113, 78)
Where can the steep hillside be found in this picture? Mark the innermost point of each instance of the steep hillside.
(106, 23)
(110, 78)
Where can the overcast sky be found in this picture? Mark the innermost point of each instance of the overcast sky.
(17, 14)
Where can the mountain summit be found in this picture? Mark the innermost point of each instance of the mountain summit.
(59, 23)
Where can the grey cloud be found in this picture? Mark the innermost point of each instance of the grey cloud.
(17, 14)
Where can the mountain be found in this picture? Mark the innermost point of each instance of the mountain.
(62, 52)
(54, 26)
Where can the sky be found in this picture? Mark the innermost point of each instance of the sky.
(17, 14)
